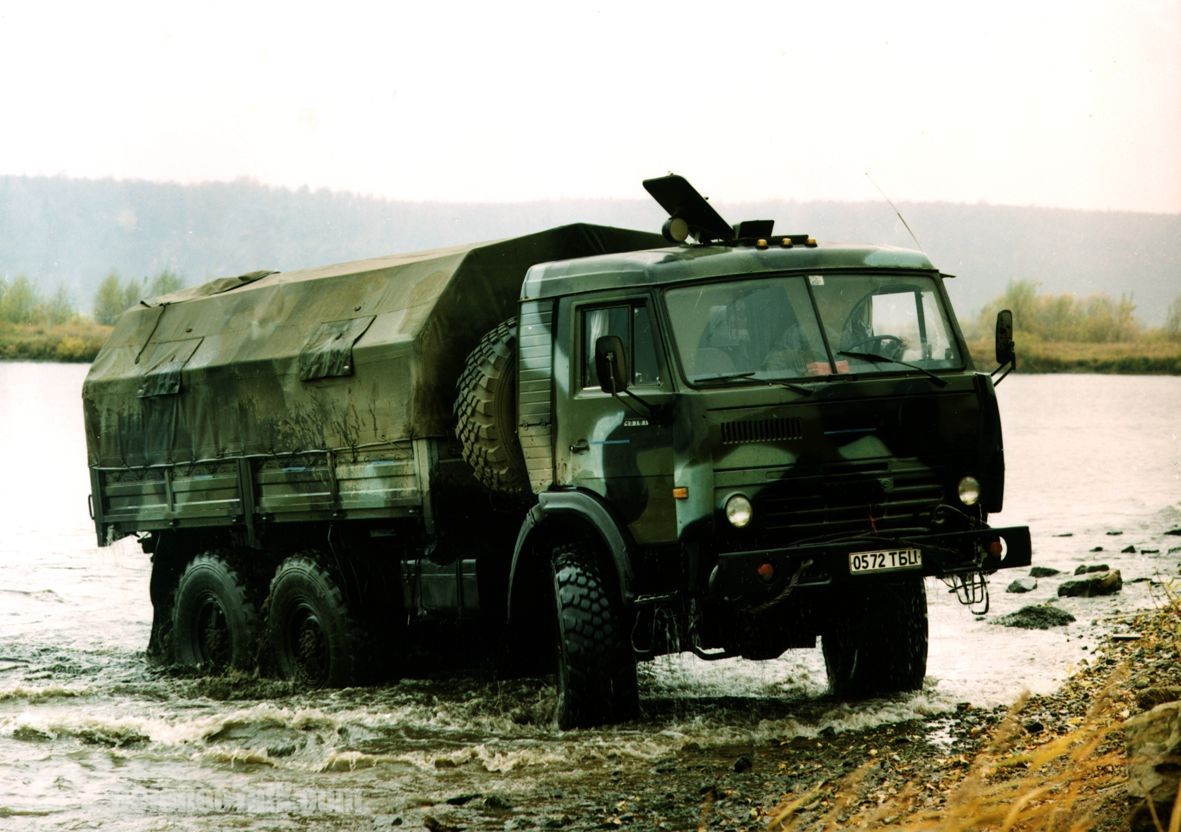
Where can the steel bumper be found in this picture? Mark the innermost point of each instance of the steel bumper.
(758, 576)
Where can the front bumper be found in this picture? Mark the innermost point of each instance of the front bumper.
(756, 577)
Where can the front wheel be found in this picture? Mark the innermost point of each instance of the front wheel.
(878, 643)
(596, 667)
(214, 624)
(311, 636)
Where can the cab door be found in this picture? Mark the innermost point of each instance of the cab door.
(617, 447)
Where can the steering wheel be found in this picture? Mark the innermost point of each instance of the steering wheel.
(891, 346)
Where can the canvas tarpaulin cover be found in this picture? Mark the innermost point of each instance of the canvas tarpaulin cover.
(345, 356)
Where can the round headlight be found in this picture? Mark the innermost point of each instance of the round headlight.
(739, 511)
(969, 491)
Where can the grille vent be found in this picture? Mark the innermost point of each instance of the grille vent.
(761, 430)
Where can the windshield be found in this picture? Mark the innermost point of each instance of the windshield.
(801, 326)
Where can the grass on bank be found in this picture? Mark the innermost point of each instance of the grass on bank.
(76, 340)
(80, 339)
(1075, 781)
(1148, 356)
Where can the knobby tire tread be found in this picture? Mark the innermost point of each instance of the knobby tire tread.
(212, 572)
(597, 673)
(485, 412)
(303, 577)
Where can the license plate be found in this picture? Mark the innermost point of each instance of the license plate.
(885, 560)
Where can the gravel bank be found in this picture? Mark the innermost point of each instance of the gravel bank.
(1052, 761)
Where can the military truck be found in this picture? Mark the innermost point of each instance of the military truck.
(575, 450)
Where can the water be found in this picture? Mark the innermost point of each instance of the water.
(91, 736)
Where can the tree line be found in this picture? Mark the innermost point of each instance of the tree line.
(21, 301)
(1095, 319)
(1056, 332)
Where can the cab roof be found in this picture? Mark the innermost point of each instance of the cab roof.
(679, 264)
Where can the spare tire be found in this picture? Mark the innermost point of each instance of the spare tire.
(486, 412)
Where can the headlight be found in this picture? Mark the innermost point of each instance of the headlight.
(969, 491)
(739, 511)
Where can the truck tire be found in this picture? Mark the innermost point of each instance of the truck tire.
(311, 636)
(214, 624)
(596, 667)
(485, 412)
(879, 646)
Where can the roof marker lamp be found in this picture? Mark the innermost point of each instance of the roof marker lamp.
(739, 511)
(969, 491)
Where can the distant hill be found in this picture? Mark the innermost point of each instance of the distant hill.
(74, 232)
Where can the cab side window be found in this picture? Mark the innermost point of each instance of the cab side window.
(633, 324)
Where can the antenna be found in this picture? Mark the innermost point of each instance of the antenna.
(890, 202)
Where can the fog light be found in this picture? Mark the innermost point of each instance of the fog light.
(739, 511)
(969, 491)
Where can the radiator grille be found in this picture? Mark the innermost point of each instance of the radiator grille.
(848, 502)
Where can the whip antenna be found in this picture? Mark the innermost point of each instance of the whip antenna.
(890, 202)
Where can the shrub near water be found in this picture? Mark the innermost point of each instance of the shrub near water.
(77, 340)
(38, 328)
(1065, 334)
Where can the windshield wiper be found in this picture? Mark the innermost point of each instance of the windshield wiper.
(878, 359)
(723, 377)
(790, 385)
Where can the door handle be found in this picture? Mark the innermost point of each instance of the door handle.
(580, 447)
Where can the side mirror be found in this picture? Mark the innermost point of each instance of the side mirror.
(611, 364)
(1006, 349)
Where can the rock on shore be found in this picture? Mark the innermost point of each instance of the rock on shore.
(1105, 583)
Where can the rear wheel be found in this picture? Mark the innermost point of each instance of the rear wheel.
(311, 636)
(596, 667)
(214, 624)
(879, 644)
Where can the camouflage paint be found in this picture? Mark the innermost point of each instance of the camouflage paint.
(862, 462)
(318, 380)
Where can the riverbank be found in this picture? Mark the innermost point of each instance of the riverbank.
(1056, 761)
(77, 341)
(80, 340)
(1153, 356)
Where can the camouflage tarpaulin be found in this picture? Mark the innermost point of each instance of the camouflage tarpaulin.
(342, 356)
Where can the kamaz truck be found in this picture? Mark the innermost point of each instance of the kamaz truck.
(573, 451)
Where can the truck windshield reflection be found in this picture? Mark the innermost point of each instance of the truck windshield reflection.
(809, 326)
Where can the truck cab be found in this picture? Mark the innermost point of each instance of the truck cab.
(767, 440)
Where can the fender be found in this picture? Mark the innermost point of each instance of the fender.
(590, 511)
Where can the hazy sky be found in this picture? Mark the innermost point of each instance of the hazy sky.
(1074, 104)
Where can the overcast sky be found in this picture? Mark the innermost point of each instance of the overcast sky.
(1072, 104)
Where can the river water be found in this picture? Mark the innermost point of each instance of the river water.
(91, 736)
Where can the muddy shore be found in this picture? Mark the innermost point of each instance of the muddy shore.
(963, 769)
